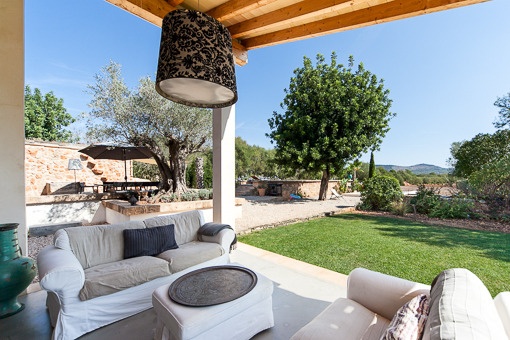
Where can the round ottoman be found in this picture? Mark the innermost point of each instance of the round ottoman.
(241, 318)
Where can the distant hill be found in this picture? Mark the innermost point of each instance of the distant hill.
(418, 169)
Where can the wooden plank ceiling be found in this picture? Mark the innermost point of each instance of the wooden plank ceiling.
(259, 23)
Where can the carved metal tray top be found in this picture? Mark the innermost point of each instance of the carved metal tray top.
(212, 285)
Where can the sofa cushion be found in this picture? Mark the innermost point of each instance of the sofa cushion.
(186, 224)
(409, 321)
(148, 241)
(461, 307)
(190, 254)
(344, 319)
(95, 245)
(116, 276)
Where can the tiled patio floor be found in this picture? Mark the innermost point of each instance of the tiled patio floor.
(301, 291)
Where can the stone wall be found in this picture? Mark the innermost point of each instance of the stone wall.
(47, 162)
(305, 188)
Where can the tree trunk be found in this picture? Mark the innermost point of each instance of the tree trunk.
(323, 192)
(199, 172)
(165, 173)
(177, 166)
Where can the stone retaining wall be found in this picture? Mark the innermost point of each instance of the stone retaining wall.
(305, 188)
(47, 162)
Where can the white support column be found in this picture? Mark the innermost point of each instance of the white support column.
(12, 126)
(224, 165)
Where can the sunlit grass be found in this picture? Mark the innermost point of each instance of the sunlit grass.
(406, 249)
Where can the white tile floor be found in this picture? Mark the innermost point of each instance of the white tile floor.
(301, 291)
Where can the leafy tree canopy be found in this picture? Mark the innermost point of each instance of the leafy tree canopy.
(332, 114)
(503, 104)
(143, 118)
(46, 117)
(470, 156)
(254, 160)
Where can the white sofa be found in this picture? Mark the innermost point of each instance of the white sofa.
(90, 284)
(460, 307)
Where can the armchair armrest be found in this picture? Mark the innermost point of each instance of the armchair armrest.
(502, 303)
(225, 238)
(60, 272)
(382, 294)
(222, 234)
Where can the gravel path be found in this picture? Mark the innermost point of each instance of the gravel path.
(263, 212)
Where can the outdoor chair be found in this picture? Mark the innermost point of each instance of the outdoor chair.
(335, 194)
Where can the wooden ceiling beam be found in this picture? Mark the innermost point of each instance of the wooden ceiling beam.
(386, 12)
(233, 8)
(155, 10)
(175, 3)
(240, 53)
(151, 10)
(288, 14)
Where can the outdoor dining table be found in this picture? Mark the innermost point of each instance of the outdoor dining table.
(123, 186)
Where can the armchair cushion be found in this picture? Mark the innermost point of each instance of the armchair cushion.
(148, 241)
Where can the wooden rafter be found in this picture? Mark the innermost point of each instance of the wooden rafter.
(233, 8)
(155, 10)
(258, 23)
(287, 15)
(389, 11)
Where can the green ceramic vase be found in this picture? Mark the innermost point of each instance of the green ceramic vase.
(16, 271)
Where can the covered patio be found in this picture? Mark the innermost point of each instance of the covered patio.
(301, 290)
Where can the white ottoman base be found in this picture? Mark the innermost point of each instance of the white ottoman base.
(238, 319)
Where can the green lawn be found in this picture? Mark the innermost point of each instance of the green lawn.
(393, 246)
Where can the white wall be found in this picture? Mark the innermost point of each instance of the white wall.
(88, 212)
(12, 133)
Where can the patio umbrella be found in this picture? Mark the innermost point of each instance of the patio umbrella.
(121, 152)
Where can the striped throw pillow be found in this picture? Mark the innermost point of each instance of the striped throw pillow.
(409, 321)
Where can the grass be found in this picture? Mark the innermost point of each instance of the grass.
(398, 247)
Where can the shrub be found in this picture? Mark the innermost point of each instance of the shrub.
(426, 200)
(204, 194)
(453, 208)
(190, 196)
(379, 192)
(168, 198)
(400, 208)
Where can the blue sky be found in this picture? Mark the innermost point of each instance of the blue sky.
(444, 70)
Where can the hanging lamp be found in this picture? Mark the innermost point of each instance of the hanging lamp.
(196, 64)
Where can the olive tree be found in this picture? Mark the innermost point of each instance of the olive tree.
(143, 118)
(331, 115)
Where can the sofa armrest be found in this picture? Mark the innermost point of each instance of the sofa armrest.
(382, 294)
(224, 238)
(60, 272)
(502, 303)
